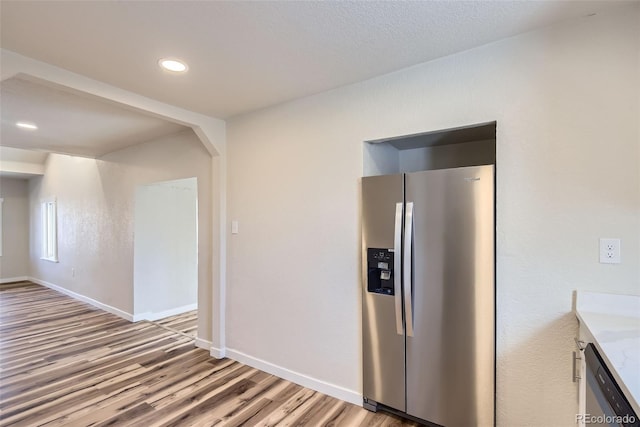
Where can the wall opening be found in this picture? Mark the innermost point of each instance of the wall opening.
(472, 145)
(165, 249)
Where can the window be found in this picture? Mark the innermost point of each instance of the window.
(1, 202)
(49, 230)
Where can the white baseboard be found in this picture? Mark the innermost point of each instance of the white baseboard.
(203, 344)
(218, 353)
(83, 298)
(14, 279)
(298, 378)
(152, 316)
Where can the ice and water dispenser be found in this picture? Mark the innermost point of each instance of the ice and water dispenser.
(380, 271)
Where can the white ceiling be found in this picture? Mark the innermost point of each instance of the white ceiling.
(245, 55)
(70, 122)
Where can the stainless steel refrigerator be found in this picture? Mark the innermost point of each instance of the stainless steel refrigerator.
(429, 295)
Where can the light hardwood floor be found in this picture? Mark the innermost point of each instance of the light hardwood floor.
(65, 363)
(185, 323)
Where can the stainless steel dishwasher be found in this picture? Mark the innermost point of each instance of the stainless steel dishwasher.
(605, 402)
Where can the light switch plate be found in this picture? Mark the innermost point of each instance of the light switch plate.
(234, 227)
(610, 251)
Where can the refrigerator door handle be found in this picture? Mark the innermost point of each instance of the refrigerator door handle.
(397, 268)
(408, 263)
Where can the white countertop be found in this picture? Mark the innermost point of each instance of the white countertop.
(613, 323)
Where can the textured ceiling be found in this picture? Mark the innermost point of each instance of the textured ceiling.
(248, 55)
(70, 122)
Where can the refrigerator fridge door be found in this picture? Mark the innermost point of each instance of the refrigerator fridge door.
(382, 324)
(450, 353)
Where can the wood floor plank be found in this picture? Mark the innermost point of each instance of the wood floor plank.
(212, 411)
(345, 414)
(314, 413)
(269, 385)
(258, 410)
(65, 363)
(117, 403)
(185, 323)
(287, 408)
(262, 409)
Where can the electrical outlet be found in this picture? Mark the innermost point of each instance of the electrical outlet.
(610, 251)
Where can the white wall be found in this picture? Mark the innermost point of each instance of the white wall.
(566, 101)
(165, 248)
(96, 218)
(14, 262)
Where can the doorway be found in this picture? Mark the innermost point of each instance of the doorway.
(166, 253)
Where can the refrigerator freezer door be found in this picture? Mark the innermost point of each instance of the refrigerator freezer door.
(383, 345)
(450, 357)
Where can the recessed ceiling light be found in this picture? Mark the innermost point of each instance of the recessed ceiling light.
(27, 125)
(173, 65)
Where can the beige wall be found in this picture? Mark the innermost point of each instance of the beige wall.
(14, 262)
(566, 101)
(96, 218)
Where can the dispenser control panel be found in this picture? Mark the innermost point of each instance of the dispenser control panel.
(380, 271)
